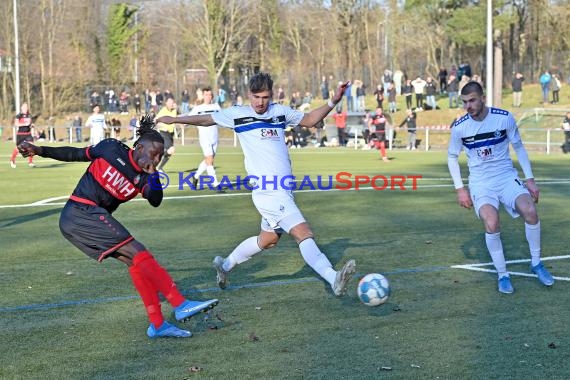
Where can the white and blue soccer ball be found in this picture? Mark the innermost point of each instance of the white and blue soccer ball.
(373, 289)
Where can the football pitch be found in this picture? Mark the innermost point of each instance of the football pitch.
(65, 316)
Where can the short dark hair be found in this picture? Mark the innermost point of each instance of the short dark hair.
(472, 87)
(260, 82)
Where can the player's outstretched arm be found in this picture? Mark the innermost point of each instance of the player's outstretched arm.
(318, 114)
(63, 153)
(201, 120)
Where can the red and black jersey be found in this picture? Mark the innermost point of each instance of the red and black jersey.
(112, 178)
(379, 122)
(24, 123)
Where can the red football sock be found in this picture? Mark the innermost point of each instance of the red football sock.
(148, 295)
(14, 154)
(30, 159)
(158, 277)
(382, 146)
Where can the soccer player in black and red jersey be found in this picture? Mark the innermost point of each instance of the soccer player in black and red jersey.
(117, 174)
(24, 132)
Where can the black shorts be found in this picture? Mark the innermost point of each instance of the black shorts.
(21, 138)
(168, 140)
(92, 229)
(379, 136)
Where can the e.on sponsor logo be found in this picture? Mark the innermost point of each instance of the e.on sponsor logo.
(348, 181)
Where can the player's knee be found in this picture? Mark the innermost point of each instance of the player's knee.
(267, 241)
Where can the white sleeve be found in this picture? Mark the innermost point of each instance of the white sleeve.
(453, 159)
(455, 171)
(518, 146)
(524, 161)
(226, 118)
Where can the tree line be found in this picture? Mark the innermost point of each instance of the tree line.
(67, 48)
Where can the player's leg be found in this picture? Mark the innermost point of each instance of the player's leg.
(210, 169)
(158, 326)
(13, 157)
(526, 207)
(161, 281)
(486, 204)
(96, 233)
(319, 262)
(242, 253)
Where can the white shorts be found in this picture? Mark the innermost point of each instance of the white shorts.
(208, 148)
(278, 210)
(505, 190)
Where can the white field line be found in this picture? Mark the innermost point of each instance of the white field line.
(478, 267)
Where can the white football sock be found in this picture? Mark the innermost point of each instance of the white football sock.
(495, 247)
(317, 260)
(243, 252)
(532, 232)
(201, 169)
(212, 173)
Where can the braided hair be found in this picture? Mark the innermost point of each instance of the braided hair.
(147, 131)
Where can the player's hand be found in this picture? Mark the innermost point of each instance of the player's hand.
(166, 119)
(464, 198)
(28, 149)
(337, 97)
(532, 189)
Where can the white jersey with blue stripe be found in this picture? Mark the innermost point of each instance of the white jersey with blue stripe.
(207, 135)
(486, 143)
(262, 137)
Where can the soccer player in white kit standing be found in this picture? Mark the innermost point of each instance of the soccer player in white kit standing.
(485, 134)
(260, 127)
(208, 137)
(96, 122)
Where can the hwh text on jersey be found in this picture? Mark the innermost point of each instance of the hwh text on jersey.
(112, 180)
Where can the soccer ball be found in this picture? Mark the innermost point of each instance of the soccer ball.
(373, 289)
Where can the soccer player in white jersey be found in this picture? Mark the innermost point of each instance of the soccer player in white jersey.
(96, 122)
(485, 134)
(208, 137)
(260, 127)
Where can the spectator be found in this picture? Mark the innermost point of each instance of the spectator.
(348, 96)
(410, 122)
(442, 80)
(419, 85)
(392, 98)
(452, 88)
(185, 102)
(325, 92)
(340, 117)
(360, 96)
(281, 96)
(555, 85)
(407, 92)
(234, 95)
(379, 96)
(137, 103)
(77, 125)
(517, 89)
(431, 90)
(545, 79)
